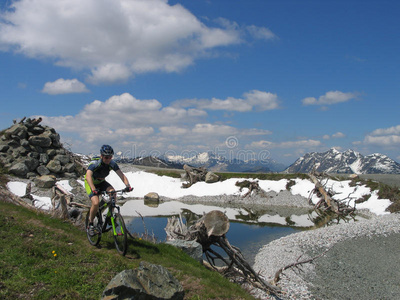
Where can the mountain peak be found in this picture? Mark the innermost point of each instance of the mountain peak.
(349, 161)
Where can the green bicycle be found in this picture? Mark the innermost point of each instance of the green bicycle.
(109, 220)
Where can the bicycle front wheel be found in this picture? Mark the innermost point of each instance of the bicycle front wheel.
(120, 234)
(96, 238)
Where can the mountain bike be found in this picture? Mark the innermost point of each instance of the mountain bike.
(109, 220)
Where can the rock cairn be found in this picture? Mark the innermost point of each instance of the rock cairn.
(28, 150)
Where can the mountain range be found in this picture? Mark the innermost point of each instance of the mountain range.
(331, 161)
(217, 163)
(348, 162)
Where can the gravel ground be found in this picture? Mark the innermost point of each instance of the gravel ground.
(361, 263)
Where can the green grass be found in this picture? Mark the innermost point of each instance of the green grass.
(29, 269)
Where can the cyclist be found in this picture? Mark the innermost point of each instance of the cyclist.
(95, 181)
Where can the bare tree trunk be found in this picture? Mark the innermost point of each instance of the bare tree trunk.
(210, 231)
(194, 174)
(327, 199)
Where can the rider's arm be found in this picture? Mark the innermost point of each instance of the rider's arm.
(123, 177)
(89, 179)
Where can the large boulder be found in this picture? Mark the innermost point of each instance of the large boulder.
(40, 140)
(19, 169)
(146, 282)
(15, 130)
(54, 166)
(45, 181)
(151, 199)
(211, 177)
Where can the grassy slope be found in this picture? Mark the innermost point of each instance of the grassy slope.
(29, 268)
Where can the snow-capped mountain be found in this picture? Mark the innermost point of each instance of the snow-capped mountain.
(348, 162)
(216, 163)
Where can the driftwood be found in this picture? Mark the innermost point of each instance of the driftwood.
(64, 198)
(296, 265)
(194, 175)
(210, 231)
(252, 186)
(327, 208)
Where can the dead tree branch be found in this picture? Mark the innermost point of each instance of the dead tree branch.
(296, 264)
(210, 231)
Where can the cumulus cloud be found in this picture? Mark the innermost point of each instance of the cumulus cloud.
(395, 130)
(252, 100)
(64, 86)
(332, 97)
(307, 144)
(212, 129)
(114, 39)
(123, 115)
(386, 137)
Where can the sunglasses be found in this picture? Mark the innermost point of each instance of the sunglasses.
(107, 156)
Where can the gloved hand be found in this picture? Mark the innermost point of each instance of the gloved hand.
(96, 192)
(128, 189)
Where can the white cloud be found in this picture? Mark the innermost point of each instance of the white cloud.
(288, 144)
(387, 131)
(214, 130)
(384, 137)
(329, 98)
(387, 140)
(336, 135)
(252, 100)
(114, 39)
(261, 33)
(109, 73)
(64, 86)
(173, 130)
(137, 131)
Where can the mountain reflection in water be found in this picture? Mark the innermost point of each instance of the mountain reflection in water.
(249, 230)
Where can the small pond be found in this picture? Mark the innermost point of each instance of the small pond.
(250, 229)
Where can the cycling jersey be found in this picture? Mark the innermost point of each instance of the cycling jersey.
(101, 170)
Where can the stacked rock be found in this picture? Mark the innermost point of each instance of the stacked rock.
(28, 149)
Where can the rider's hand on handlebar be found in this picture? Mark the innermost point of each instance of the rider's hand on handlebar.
(96, 192)
(128, 189)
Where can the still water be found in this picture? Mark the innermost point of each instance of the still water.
(248, 231)
(249, 238)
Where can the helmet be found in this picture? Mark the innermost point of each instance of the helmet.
(106, 150)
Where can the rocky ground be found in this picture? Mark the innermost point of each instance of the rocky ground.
(361, 261)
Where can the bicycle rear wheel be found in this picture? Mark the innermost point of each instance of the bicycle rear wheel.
(120, 235)
(96, 238)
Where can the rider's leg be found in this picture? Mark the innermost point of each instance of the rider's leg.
(94, 208)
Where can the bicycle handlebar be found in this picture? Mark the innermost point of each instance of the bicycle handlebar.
(113, 192)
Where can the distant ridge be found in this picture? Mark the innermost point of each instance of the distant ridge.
(347, 162)
(216, 163)
(208, 160)
(150, 161)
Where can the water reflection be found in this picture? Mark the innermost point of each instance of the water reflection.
(250, 229)
(294, 217)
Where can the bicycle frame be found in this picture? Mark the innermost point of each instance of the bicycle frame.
(111, 205)
(112, 220)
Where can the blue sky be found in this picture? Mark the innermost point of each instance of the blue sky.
(251, 78)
